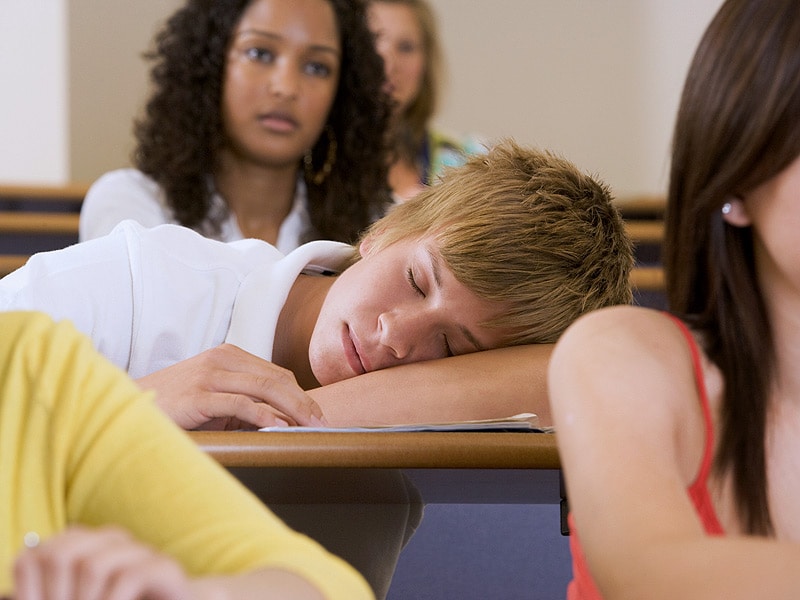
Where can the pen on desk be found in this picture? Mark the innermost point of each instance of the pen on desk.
(317, 270)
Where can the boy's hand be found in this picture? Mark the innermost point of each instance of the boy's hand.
(228, 388)
(95, 564)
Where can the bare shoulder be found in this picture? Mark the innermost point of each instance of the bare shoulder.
(628, 361)
(628, 330)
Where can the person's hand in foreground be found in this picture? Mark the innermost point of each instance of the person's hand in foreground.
(109, 564)
(228, 388)
(93, 564)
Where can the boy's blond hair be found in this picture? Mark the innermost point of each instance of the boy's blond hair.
(524, 228)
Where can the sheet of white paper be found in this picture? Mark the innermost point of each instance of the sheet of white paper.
(521, 422)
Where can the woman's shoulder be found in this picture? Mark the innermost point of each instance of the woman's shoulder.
(624, 367)
(625, 335)
(627, 320)
(118, 195)
(127, 177)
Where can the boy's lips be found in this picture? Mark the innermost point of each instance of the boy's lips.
(352, 353)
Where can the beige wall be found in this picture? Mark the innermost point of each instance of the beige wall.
(33, 91)
(597, 81)
(108, 78)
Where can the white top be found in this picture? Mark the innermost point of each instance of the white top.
(130, 194)
(149, 298)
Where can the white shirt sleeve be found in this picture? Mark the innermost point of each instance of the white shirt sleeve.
(88, 284)
(147, 297)
(120, 195)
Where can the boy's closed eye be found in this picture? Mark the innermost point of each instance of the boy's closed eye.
(413, 282)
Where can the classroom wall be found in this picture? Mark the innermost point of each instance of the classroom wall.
(598, 81)
(595, 81)
(109, 78)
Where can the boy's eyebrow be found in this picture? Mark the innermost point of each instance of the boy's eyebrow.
(437, 278)
(275, 36)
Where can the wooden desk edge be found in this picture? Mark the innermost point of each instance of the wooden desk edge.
(390, 450)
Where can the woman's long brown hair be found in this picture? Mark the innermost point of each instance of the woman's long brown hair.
(738, 125)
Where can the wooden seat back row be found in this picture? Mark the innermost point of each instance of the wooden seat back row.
(644, 220)
(36, 219)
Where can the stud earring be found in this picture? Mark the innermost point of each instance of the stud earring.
(727, 208)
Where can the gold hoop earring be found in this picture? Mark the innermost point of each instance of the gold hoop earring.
(330, 159)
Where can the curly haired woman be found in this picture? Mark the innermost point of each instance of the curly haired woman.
(267, 120)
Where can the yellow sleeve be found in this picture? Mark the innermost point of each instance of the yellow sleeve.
(91, 448)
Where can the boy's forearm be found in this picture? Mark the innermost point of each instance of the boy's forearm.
(482, 385)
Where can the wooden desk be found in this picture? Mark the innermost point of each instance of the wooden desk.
(329, 484)
(446, 467)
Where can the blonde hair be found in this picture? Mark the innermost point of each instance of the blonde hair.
(414, 121)
(524, 228)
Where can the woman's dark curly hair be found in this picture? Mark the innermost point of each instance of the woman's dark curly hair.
(181, 131)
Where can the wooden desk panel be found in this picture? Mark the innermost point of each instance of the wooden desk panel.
(365, 468)
(423, 450)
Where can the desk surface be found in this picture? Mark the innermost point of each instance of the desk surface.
(419, 450)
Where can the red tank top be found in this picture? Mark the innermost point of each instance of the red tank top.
(582, 586)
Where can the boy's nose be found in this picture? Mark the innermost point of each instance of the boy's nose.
(409, 336)
(394, 335)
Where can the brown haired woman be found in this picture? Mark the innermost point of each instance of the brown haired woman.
(679, 433)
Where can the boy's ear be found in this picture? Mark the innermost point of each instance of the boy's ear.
(734, 212)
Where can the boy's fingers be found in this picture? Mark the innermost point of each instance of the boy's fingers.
(226, 385)
(241, 409)
(229, 369)
(237, 411)
(275, 386)
(286, 396)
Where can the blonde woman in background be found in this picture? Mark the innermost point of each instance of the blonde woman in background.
(407, 39)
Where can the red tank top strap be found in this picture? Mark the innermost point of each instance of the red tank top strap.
(699, 488)
(582, 586)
